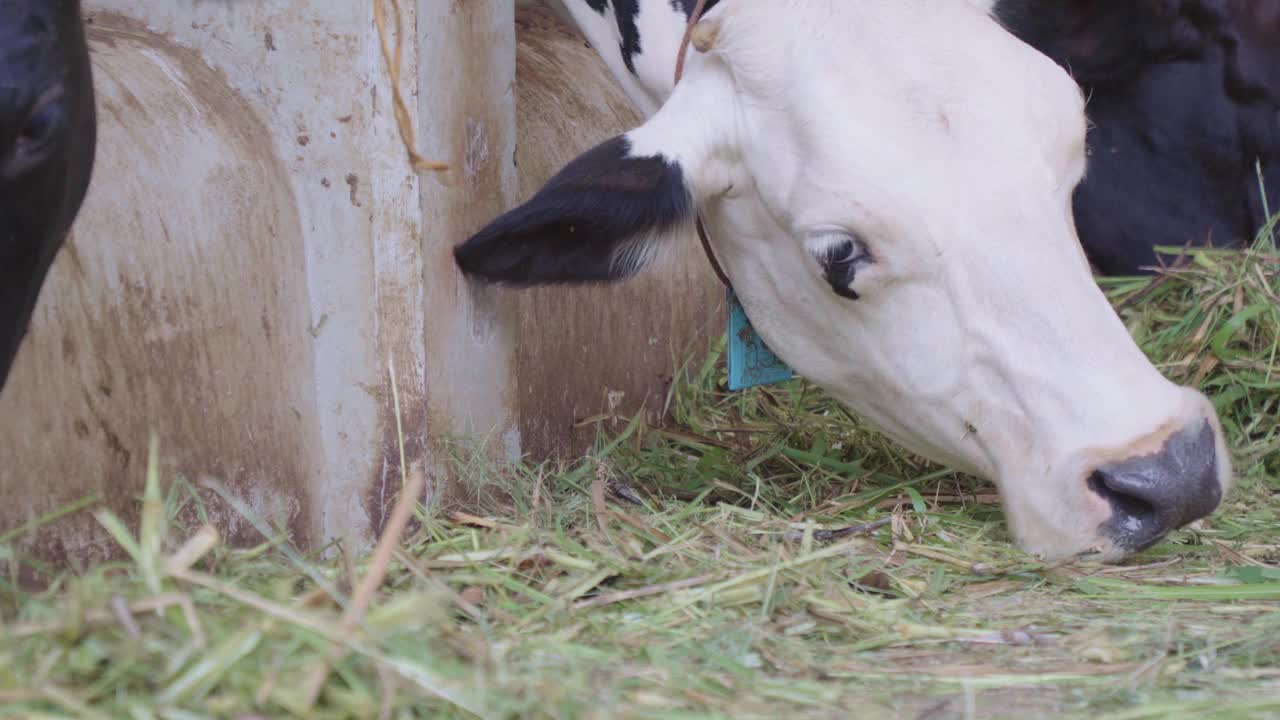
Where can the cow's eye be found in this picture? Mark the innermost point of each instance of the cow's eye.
(37, 139)
(43, 123)
(841, 255)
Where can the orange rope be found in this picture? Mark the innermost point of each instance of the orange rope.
(416, 161)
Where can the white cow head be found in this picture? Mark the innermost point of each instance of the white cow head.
(888, 185)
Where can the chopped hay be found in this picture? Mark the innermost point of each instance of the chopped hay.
(766, 555)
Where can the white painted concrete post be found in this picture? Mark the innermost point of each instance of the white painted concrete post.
(252, 253)
(466, 78)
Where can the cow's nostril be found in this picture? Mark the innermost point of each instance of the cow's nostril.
(1133, 513)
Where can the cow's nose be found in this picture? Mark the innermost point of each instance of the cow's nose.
(1153, 494)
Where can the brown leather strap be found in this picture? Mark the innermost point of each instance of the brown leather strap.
(706, 247)
(694, 17)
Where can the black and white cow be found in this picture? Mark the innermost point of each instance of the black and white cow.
(1184, 102)
(888, 185)
(47, 142)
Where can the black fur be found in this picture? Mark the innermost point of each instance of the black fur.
(625, 13)
(1184, 98)
(687, 6)
(47, 143)
(572, 230)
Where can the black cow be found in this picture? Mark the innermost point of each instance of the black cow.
(1184, 99)
(48, 136)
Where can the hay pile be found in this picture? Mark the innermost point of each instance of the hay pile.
(766, 556)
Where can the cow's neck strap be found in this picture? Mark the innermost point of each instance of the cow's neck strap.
(694, 17)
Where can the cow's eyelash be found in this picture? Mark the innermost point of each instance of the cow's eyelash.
(841, 255)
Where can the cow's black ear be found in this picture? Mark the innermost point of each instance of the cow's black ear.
(600, 219)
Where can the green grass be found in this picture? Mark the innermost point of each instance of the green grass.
(697, 570)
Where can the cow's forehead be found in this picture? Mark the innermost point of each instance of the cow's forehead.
(914, 58)
(892, 119)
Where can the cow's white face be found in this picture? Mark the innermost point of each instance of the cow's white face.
(887, 184)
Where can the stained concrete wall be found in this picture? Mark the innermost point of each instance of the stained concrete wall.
(600, 350)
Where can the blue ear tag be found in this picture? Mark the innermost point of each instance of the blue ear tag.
(751, 362)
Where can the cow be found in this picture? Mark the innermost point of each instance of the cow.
(48, 136)
(887, 185)
(1184, 103)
